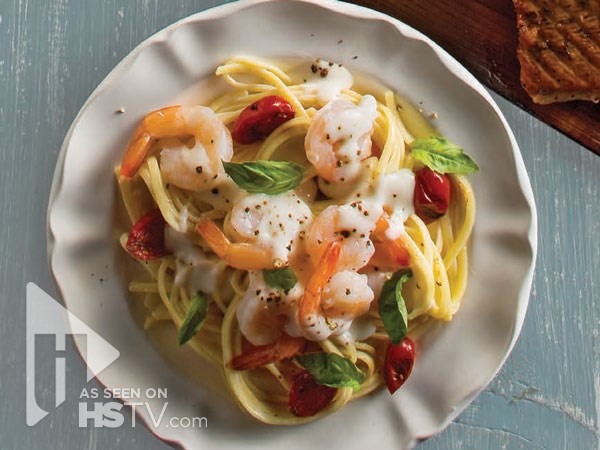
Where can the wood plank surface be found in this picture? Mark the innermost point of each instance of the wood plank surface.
(482, 35)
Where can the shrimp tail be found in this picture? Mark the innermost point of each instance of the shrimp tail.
(136, 153)
(389, 254)
(214, 237)
(155, 125)
(286, 347)
(311, 300)
(381, 225)
(240, 255)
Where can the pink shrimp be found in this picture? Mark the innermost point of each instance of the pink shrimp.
(187, 168)
(339, 138)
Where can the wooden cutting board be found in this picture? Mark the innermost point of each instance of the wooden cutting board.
(482, 35)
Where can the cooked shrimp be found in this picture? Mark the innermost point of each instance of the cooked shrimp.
(339, 138)
(327, 305)
(332, 300)
(276, 223)
(194, 169)
(238, 255)
(270, 227)
(390, 255)
(352, 226)
(285, 347)
(263, 311)
(390, 252)
(370, 231)
(311, 300)
(394, 191)
(347, 295)
(376, 279)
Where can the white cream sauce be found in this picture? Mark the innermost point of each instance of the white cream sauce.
(194, 270)
(341, 190)
(394, 193)
(359, 215)
(376, 280)
(362, 328)
(324, 79)
(272, 222)
(223, 194)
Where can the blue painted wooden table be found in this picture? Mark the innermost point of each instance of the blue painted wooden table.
(53, 53)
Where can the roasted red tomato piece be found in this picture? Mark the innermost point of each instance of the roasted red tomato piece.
(307, 397)
(258, 120)
(399, 361)
(147, 237)
(432, 194)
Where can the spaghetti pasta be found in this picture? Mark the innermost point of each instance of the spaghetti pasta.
(435, 250)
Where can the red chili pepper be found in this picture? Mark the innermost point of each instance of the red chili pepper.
(258, 120)
(307, 397)
(432, 194)
(399, 360)
(147, 237)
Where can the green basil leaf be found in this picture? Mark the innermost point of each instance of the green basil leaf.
(280, 279)
(332, 370)
(194, 318)
(392, 308)
(441, 155)
(265, 177)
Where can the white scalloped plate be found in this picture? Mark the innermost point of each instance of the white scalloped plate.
(455, 362)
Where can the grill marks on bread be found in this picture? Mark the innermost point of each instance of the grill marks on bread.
(559, 49)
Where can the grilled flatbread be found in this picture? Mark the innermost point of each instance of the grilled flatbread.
(559, 49)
